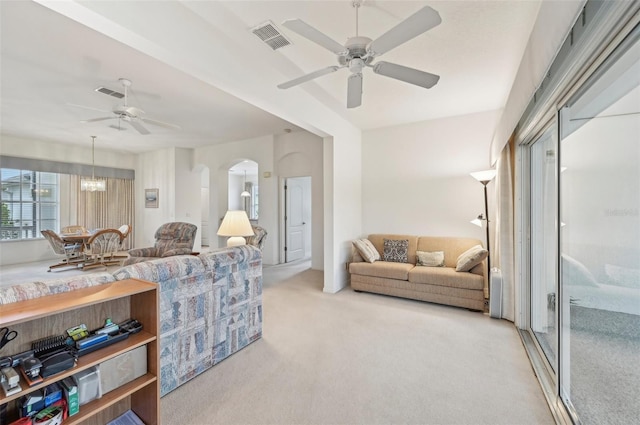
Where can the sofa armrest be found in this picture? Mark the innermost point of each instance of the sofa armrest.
(176, 251)
(143, 252)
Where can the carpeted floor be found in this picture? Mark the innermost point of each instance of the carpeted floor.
(357, 358)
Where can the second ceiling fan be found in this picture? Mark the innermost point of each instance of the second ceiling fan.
(134, 116)
(359, 52)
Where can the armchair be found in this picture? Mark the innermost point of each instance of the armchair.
(175, 238)
(259, 237)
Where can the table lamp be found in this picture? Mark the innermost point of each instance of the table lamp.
(236, 225)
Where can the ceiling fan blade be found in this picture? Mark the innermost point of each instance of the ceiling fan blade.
(421, 21)
(138, 126)
(310, 33)
(160, 123)
(354, 91)
(309, 77)
(408, 75)
(98, 119)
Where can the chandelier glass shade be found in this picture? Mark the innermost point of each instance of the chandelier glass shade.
(92, 184)
(245, 193)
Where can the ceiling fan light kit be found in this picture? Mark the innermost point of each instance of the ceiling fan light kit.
(359, 52)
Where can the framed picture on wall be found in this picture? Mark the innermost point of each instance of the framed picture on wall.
(151, 198)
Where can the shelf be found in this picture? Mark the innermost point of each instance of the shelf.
(49, 315)
(66, 301)
(84, 362)
(110, 398)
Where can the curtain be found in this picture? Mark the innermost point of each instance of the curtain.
(106, 210)
(504, 233)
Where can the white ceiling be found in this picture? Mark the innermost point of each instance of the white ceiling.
(49, 61)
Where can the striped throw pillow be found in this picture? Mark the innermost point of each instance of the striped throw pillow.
(366, 249)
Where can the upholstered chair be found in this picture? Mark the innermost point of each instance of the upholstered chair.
(101, 248)
(175, 238)
(73, 256)
(259, 237)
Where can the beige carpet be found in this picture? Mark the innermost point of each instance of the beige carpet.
(356, 358)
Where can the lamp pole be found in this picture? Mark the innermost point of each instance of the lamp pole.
(485, 177)
(486, 217)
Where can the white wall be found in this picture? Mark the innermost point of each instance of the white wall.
(415, 177)
(219, 158)
(342, 155)
(173, 173)
(299, 154)
(187, 196)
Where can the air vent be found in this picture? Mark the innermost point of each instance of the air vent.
(110, 92)
(268, 33)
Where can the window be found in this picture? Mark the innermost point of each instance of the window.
(30, 203)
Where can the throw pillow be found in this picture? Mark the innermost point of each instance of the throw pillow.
(430, 259)
(366, 249)
(396, 250)
(471, 258)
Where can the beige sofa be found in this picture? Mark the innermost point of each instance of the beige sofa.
(442, 285)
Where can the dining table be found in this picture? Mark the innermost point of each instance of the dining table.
(81, 237)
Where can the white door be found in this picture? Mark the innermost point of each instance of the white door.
(294, 220)
(204, 196)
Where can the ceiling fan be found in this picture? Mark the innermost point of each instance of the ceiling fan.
(359, 52)
(134, 116)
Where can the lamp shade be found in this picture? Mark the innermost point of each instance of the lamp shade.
(236, 225)
(484, 176)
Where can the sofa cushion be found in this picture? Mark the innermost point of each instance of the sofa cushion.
(395, 250)
(366, 250)
(452, 246)
(446, 276)
(378, 241)
(471, 258)
(430, 259)
(382, 269)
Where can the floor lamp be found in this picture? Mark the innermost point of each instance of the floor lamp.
(485, 177)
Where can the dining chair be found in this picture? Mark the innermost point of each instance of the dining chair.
(125, 229)
(72, 252)
(101, 249)
(73, 229)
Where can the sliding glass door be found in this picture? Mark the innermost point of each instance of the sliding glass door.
(544, 243)
(600, 246)
(584, 244)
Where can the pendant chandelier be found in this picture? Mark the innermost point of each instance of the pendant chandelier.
(245, 193)
(93, 185)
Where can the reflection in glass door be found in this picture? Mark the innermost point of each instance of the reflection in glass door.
(543, 278)
(600, 247)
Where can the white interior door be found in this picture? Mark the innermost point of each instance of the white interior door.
(294, 219)
(204, 196)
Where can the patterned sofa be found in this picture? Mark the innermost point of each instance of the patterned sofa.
(210, 305)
